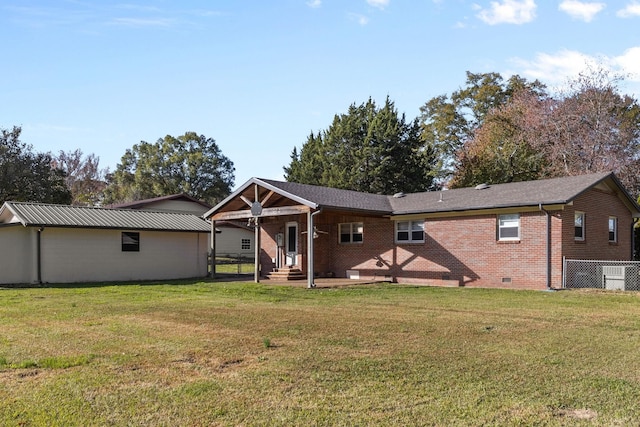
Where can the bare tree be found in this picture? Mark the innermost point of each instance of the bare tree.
(84, 177)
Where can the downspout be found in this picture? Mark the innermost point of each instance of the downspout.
(548, 245)
(39, 255)
(310, 272)
(633, 238)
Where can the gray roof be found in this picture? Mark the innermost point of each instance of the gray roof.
(139, 204)
(48, 215)
(554, 191)
(334, 197)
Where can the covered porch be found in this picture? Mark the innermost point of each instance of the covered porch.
(283, 249)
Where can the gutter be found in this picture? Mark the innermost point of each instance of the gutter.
(548, 244)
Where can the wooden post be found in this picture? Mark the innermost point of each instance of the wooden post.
(213, 249)
(256, 272)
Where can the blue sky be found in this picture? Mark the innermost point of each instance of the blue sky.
(259, 76)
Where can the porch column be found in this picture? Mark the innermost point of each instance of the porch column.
(310, 253)
(256, 272)
(213, 249)
(310, 268)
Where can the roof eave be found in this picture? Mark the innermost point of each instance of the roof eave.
(545, 205)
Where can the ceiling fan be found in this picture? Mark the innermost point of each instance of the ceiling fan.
(316, 232)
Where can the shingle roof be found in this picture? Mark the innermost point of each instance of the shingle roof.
(515, 194)
(334, 197)
(41, 214)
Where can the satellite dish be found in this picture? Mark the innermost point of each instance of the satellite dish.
(256, 209)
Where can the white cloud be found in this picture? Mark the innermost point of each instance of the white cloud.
(557, 68)
(314, 4)
(553, 68)
(380, 4)
(143, 22)
(629, 63)
(584, 11)
(632, 9)
(360, 19)
(509, 12)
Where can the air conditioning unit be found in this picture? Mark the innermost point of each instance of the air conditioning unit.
(619, 277)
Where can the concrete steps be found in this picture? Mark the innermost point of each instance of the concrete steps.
(286, 274)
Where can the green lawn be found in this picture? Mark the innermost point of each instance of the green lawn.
(200, 354)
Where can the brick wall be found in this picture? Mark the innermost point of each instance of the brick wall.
(461, 251)
(598, 206)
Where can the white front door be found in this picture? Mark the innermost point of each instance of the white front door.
(291, 243)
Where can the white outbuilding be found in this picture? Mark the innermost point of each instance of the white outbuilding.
(46, 243)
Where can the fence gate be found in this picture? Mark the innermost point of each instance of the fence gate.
(612, 275)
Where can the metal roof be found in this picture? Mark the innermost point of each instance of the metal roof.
(136, 204)
(48, 215)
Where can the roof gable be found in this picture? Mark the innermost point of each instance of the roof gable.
(308, 196)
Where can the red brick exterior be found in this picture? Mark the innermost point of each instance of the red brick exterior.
(462, 250)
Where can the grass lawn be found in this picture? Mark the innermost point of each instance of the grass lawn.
(201, 354)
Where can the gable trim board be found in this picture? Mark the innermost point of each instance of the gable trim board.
(551, 199)
(60, 244)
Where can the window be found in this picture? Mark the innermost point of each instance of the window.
(351, 232)
(613, 229)
(245, 244)
(130, 242)
(410, 231)
(509, 227)
(579, 225)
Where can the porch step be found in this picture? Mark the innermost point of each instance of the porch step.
(286, 274)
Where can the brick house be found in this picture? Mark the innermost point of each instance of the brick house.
(506, 235)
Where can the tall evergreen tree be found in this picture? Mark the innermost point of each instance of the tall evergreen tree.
(367, 149)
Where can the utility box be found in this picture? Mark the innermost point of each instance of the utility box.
(614, 277)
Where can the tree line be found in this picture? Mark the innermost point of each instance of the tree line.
(491, 130)
(191, 164)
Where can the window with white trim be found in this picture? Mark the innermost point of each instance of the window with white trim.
(613, 229)
(509, 227)
(410, 231)
(350, 232)
(579, 225)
